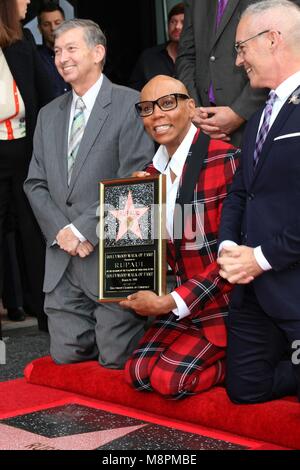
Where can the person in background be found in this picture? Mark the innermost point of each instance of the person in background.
(83, 137)
(160, 60)
(183, 351)
(24, 90)
(206, 65)
(49, 17)
(260, 225)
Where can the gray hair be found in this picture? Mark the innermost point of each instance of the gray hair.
(262, 6)
(93, 35)
(287, 19)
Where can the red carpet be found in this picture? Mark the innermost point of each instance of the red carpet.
(19, 399)
(277, 422)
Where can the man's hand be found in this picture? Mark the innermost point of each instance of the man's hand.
(238, 264)
(147, 303)
(67, 241)
(217, 121)
(84, 249)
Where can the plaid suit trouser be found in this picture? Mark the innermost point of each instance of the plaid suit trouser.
(175, 359)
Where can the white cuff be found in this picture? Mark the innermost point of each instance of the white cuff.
(182, 310)
(261, 260)
(226, 243)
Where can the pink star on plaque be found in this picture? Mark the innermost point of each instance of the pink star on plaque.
(128, 218)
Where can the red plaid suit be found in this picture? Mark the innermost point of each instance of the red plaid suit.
(181, 357)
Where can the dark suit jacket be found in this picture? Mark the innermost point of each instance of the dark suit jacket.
(152, 61)
(262, 208)
(206, 56)
(28, 71)
(206, 178)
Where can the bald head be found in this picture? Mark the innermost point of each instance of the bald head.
(162, 85)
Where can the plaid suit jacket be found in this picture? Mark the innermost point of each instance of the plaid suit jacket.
(193, 257)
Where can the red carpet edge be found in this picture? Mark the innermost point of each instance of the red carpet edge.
(276, 422)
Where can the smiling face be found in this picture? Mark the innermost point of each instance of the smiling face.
(77, 62)
(256, 53)
(168, 127)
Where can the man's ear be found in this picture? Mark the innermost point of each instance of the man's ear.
(99, 53)
(191, 106)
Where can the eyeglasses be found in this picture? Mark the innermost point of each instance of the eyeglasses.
(165, 103)
(239, 49)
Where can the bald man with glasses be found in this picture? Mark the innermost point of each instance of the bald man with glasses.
(183, 351)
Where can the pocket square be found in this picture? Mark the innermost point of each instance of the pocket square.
(287, 136)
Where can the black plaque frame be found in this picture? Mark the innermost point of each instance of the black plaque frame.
(133, 262)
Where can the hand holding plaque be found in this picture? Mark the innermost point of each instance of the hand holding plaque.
(132, 242)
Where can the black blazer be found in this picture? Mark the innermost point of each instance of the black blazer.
(31, 78)
(262, 208)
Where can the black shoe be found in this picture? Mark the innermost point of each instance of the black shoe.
(16, 314)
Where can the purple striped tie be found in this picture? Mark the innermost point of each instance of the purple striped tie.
(221, 8)
(264, 129)
(220, 11)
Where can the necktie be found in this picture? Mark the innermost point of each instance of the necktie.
(76, 133)
(264, 129)
(220, 11)
(221, 8)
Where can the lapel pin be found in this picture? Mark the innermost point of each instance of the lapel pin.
(294, 99)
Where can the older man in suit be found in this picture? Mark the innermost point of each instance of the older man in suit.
(261, 214)
(183, 350)
(206, 65)
(87, 135)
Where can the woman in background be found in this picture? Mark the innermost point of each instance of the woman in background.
(23, 90)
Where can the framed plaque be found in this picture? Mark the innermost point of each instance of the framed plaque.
(132, 242)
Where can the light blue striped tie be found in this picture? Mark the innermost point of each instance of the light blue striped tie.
(77, 130)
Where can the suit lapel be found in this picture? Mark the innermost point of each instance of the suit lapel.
(93, 128)
(229, 10)
(250, 138)
(61, 126)
(190, 176)
(280, 120)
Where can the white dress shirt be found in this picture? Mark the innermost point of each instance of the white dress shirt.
(89, 99)
(164, 164)
(283, 91)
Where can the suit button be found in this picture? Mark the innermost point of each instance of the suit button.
(212, 58)
(251, 197)
(69, 204)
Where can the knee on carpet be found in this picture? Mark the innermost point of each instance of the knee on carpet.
(171, 385)
(68, 357)
(135, 377)
(241, 394)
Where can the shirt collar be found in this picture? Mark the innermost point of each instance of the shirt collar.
(176, 163)
(284, 90)
(90, 96)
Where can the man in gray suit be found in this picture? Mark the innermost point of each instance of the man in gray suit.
(85, 136)
(206, 65)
